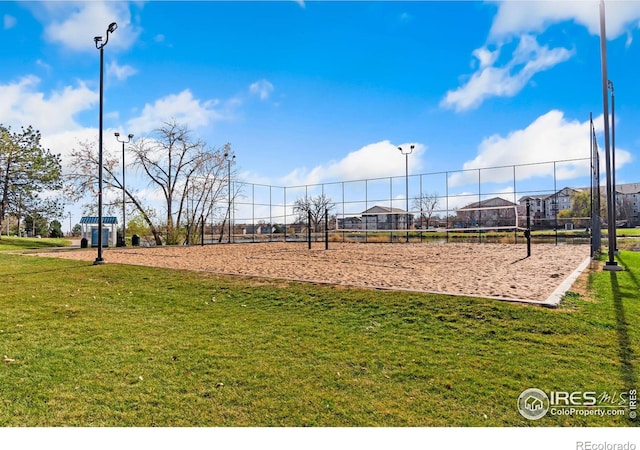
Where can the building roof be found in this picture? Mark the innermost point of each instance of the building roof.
(383, 209)
(109, 220)
(628, 189)
(490, 202)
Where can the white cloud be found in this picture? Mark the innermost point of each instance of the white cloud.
(74, 24)
(182, 107)
(63, 142)
(528, 59)
(23, 104)
(551, 137)
(262, 88)
(120, 72)
(9, 22)
(522, 20)
(371, 161)
(485, 56)
(516, 17)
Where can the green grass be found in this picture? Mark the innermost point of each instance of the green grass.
(634, 232)
(17, 243)
(134, 346)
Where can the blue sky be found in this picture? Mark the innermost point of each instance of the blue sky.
(308, 92)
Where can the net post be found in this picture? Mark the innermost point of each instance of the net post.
(527, 232)
(309, 229)
(326, 229)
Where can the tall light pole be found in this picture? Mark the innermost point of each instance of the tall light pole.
(611, 263)
(406, 154)
(226, 156)
(100, 46)
(124, 217)
(613, 163)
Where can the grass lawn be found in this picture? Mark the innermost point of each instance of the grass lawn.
(128, 346)
(16, 243)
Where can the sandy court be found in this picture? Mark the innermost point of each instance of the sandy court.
(491, 270)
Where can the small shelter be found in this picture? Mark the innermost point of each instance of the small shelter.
(109, 230)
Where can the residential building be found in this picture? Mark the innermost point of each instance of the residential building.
(492, 212)
(386, 218)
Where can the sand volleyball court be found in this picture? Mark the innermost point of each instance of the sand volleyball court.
(487, 270)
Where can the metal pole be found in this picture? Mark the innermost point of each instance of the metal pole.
(611, 263)
(406, 195)
(100, 259)
(446, 187)
(100, 46)
(528, 230)
(124, 218)
(555, 202)
(229, 193)
(592, 222)
(613, 166)
(479, 205)
(124, 200)
(309, 228)
(406, 192)
(326, 229)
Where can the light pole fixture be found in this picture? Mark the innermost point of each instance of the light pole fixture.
(100, 46)
(406, 154)
(226, 156)
(124, 217)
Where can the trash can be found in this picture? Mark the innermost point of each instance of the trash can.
(135, 240)
(84, 243)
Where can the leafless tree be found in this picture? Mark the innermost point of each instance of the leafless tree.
(189, 174)
(314, 206)
(426, 204)
(624, 209)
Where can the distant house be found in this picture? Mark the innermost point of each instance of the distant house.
(386, 218)
(350, 223)
(89, 226)
(258, 229)
(483, 214)
(628, 196)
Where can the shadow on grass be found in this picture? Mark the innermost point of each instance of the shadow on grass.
(625, 350)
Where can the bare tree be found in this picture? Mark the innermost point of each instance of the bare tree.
(426, 204)
(189, 175)
(314, 206)
(624, 209)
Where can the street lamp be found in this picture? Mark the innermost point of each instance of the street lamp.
(226, 156)
(100, 46)
(406, 157)
(124, 220)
